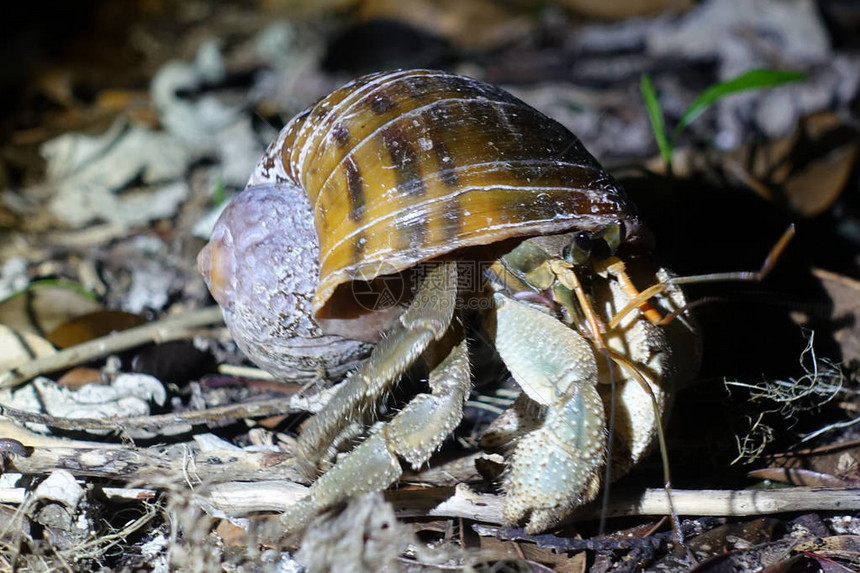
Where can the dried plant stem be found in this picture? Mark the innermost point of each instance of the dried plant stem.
(160, 331)
(157, 466)
(242, 498)
(468, 504)
(245, 498)
(159, 423)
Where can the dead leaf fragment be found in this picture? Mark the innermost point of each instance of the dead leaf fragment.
(812, 190)
(806, 170)
(42, 308)
(79, 376)
(845, 294)
(92, 325)
(18, 347)
(621, 9)
(469, 23)
(798, 476)
(844, 548)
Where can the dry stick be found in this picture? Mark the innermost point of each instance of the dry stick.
(244, 498)
(157, 467)
(266, 483)
(238, 499)
(161, 331)
(261, 408)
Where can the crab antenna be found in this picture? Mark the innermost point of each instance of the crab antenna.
(754, 276)
(607, 477)
(661, 438)
(637, 300)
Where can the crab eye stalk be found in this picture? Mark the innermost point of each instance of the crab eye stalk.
(598, 245)
(611, 236)
(578, 252)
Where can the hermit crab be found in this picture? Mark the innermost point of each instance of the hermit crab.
(403, 207)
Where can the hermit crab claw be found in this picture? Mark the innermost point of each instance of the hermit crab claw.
(555, 466)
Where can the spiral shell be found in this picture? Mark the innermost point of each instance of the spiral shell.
(402, 167)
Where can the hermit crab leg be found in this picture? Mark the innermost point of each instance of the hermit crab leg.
(555, 467)
(413, 434)
(426, 319)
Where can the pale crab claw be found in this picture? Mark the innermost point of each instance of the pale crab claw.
(555, 466)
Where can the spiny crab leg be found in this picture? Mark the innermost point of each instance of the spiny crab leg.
(413, 434)
(426, 319)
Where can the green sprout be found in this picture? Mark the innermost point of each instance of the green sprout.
(218, 191)
(60, 283)
(751, 80)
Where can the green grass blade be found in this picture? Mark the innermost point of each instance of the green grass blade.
(655, 114)
(218, 191)
(54, 283)
(751, 80)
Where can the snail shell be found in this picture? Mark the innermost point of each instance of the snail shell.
(402, 167)
(261, 266)
(391, 170)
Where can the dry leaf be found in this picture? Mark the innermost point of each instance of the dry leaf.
(845, 548)
(92, 325)
(845, 294)
(79, 376)
(559, 562)
(231, 534)
(812, 190)
(493, 549)
(621, 9)
(798, 476)
(805, 171)
(470, 23)
(42, 308)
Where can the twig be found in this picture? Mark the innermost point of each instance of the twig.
(156, 466)
(160, 331)
(830, 427)
(824, 449)
(463, 502)
(156, 423)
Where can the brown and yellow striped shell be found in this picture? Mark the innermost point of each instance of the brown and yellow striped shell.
(401, 167)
